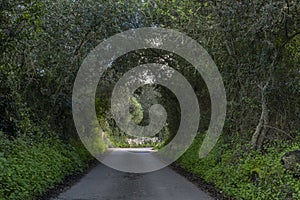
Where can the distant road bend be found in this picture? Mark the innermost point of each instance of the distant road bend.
(104, 183)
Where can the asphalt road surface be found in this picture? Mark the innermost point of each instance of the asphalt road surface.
(104, 183)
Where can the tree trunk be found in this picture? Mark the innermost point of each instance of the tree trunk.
(261, 130)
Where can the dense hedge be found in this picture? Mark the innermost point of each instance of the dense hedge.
(232, 168)
(28, 169)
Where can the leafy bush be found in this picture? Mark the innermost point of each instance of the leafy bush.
(231, 169)
(29, 168)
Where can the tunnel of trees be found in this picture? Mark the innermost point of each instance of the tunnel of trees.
(255, 44)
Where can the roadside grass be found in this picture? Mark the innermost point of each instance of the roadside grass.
(29, 168)
(242, 173)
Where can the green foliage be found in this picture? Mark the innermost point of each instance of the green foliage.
(29, 168)
(231, 169)
(113, 135)
(44, 42)
(136, 111)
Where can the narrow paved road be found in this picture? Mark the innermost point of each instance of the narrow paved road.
(104, 183)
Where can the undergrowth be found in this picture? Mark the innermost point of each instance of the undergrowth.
(231, 167)
(29, 168)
